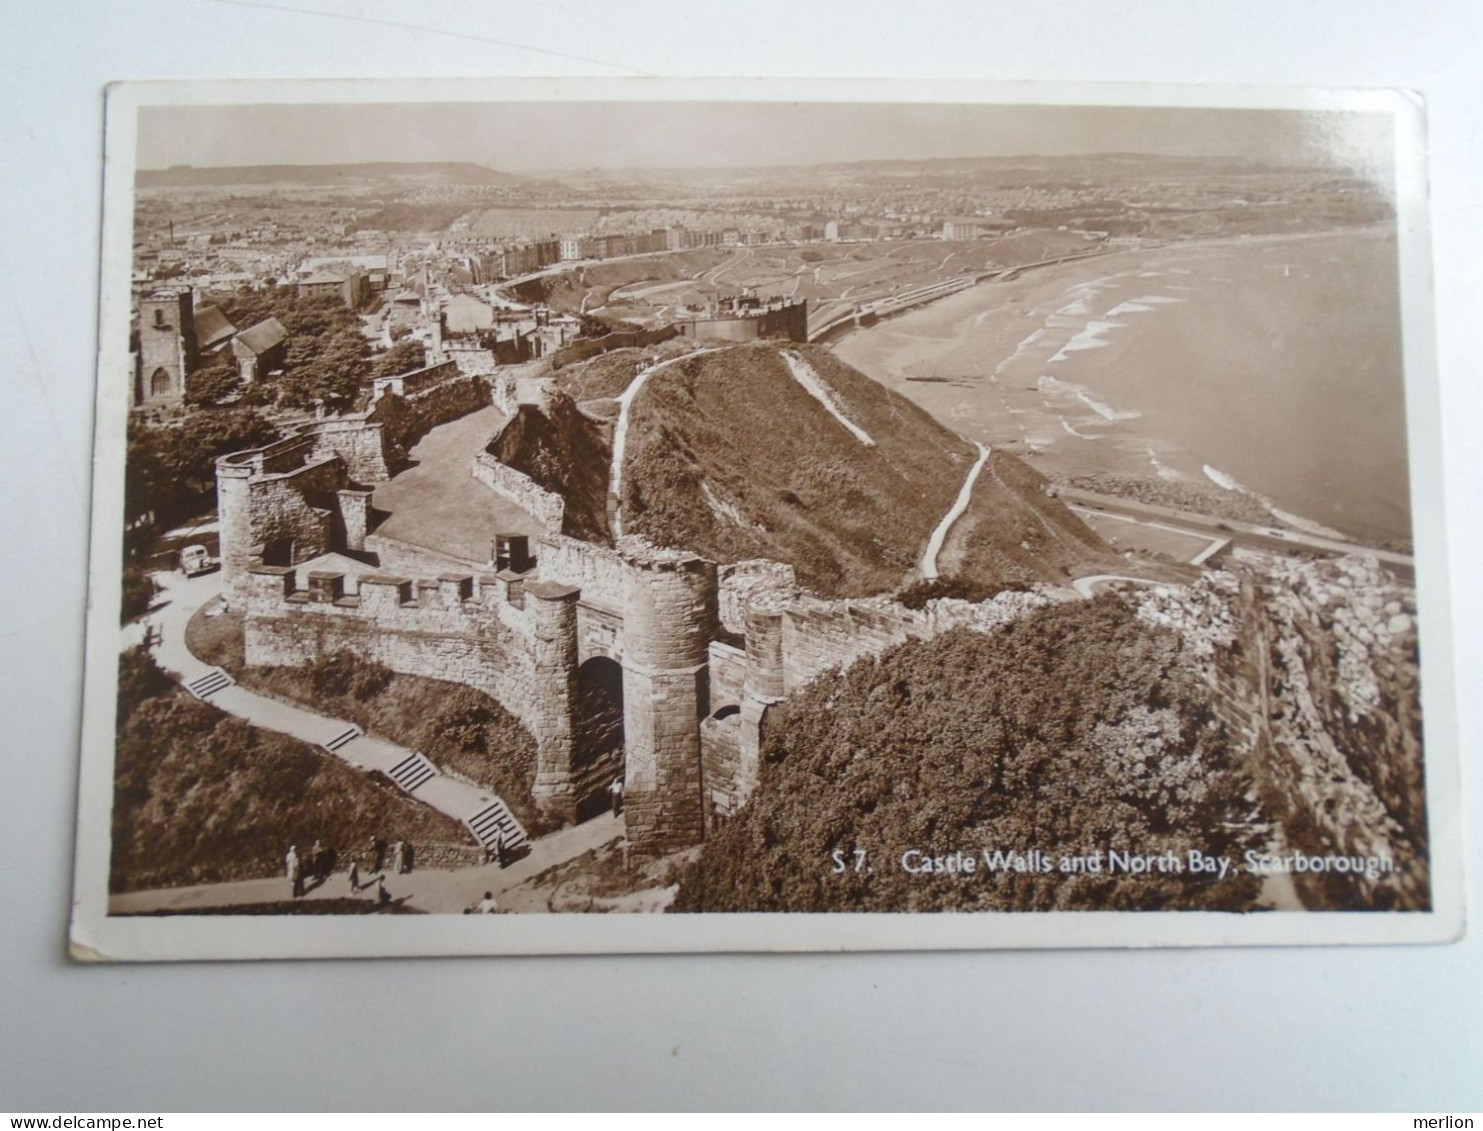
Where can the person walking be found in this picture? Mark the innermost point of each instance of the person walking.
(378, 853)
(294, 870)
(616, 790)
(352, 876)
(314, 866)
(398, 849)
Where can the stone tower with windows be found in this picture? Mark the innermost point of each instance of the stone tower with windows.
(167, 347)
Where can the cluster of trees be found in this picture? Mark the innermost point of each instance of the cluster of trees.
(170, 471)
(1076, 730)
(328, 357)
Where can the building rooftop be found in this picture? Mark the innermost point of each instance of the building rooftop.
(212, 328)
(264, 336)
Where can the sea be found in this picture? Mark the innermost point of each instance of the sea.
(1265, 365)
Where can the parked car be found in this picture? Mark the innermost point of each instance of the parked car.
(194, 560)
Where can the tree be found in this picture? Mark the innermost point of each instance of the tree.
(212, 385)
(170, 470)
(403, 357)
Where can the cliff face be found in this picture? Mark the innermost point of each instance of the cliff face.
(1314, 665)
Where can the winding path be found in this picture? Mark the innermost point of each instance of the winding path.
(620, 434)
(965, 494)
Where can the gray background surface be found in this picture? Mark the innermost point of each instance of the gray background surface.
(1359, 1028)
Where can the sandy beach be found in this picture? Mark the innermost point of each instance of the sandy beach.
(1269, 366)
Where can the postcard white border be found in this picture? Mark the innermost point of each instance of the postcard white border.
(95, 936)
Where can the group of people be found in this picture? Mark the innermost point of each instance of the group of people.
(319, 864)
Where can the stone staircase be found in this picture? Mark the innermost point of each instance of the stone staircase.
(203, 687)
(341, 740)
(495, 824)
(413, 771)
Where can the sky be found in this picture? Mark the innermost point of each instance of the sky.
(555, 136)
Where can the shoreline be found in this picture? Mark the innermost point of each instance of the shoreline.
(1179, 400)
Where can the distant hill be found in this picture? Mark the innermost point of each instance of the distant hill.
(445, 172)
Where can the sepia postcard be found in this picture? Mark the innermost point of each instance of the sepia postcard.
(613, 516)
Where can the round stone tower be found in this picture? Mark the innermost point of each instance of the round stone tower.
(669, 620)
(234, 517)
(553, 622)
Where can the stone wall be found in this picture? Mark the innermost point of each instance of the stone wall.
(513, 640)
(728, 675)
(406, 419)
(359, 443)
(596, 570)
(818, 635)
(747, 581)
(546, 507)
(585, 348)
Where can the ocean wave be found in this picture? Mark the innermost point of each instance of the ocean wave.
(1129, 308)
(1157, 299)
(1106, 412)
(1074, 432)
(1165, 472)
(1090, 338)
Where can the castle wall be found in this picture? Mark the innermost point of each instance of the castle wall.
(516, 643)
(599, 572)
(436, 396)
(819, 635)
(619, 339)
(546, 507)
(358, 443)
(720, 760)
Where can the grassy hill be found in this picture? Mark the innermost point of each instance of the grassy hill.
(1075, 731)
(730, 456)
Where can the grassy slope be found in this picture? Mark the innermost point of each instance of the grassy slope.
(851, 519)
(200, 797)
(1013, 532)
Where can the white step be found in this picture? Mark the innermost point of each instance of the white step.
(341, 740)
(207, 685)
(413, 771)
(495, 823)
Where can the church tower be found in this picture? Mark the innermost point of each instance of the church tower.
(167, 347)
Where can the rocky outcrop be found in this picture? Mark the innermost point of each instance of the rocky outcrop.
(1314, 666)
